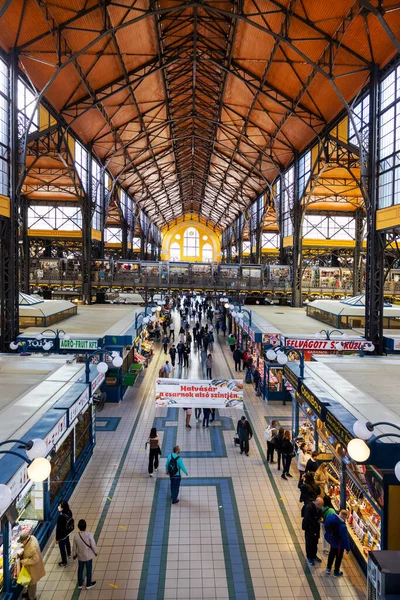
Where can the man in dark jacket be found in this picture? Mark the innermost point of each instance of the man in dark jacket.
(237, 357)
(244, 433)
(311, 527)
(337, 536)
(172, 353)
(180, 348)
(186, 354)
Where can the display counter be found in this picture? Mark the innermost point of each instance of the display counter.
(321, 420)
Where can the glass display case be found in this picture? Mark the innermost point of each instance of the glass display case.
(61, 466)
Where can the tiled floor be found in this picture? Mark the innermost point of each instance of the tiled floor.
(236, 532)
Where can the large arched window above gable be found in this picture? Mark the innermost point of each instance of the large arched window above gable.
(191, 242)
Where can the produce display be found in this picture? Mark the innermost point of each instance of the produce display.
(26, 526)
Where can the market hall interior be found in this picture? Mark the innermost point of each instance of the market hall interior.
(236, 532)
(167, 156)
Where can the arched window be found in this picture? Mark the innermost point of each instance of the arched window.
(207, 253)
(191, 241)
(175, 251)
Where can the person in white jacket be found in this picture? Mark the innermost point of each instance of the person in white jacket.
(269, 434)
(302, 460)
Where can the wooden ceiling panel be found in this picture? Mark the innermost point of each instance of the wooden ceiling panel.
(207, 102)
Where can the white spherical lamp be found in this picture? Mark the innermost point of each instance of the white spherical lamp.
(361, 430)
(39, 336)
(46, 346)
(61, 335)
(271, 354)
(282, 358)
(67, 336)
(102, 367)
(339, 346)
(153, 309)
(38, 450)
(397, 471)
(39, 470)
(358, 450)
(370, 348)
(13, 346)
(118, 361)
(5, 497)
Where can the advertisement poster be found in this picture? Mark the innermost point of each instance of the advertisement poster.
(217, 393)
(312, 346)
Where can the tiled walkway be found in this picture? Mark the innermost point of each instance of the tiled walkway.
(236, 532)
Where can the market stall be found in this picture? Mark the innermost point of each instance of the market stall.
(321, 420)
(69, 432)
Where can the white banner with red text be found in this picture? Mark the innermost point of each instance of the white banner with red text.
(203, 393)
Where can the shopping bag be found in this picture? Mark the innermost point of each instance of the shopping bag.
(24, 577)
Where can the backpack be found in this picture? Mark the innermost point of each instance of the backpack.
(173, 468)
(70, 524)
(333, 530)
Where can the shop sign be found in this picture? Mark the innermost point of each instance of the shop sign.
(35, 345)
(215, 393)
(338, 430)
(313, 401)
(396, 344)
(52, 438)
(291, 376)
(79, 405)
(97, 381)
(326, 345)
(78, 344)
(271, 338)
(18, 481)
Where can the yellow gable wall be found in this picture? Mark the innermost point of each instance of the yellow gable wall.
(169, 238)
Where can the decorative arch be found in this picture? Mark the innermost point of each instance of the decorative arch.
(197, 236)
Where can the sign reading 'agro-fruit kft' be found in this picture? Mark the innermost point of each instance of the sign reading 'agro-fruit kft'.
(215, 393)
(78, 344)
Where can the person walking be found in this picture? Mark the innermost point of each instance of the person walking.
(326, 511)
(338, 537)
(287, 454)
(210, 340)
(165, 342)
(269, 434)
(173, 467)
(64, 528)
(180, 348)
(167, 368)
(172, 354)
(244, 433)
(223, 327)
(206, 416)
(188, 417)
(186, 354)
(32, 560)
(311, 526)
(302, 460)
(206, 341)
(197, 414)
(209, 362)
(256, 380)
(237, 356)
(182, 335)
(84, 549)
(172, 330)
(217, 326)
(312, 463)
(232, 342)
(278, 439)
(155, 451)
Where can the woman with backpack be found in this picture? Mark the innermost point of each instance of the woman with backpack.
(64, 528)
(155, 451)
